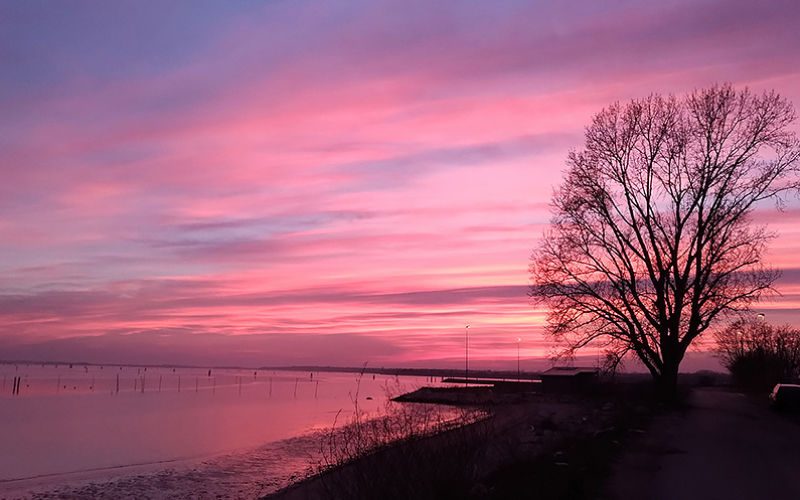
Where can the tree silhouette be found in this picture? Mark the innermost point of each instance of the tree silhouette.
(652, 239)
(759, 354)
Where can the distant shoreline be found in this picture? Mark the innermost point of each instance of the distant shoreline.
(399, 371)
(413, 372)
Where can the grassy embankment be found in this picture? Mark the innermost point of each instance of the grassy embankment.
(502, 445)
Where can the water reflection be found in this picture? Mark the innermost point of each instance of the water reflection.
(76, 418)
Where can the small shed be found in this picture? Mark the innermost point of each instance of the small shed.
(569, 378)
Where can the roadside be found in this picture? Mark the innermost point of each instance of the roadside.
(722, 445)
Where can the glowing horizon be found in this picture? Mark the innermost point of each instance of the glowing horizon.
(327, 184)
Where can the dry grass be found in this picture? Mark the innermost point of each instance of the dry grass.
(391, 454)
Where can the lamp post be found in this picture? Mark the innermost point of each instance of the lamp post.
(519, 340)
(466, 356)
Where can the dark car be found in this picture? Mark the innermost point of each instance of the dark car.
(786, 397)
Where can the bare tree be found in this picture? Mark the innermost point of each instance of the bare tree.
(758, 354)
(652, 238)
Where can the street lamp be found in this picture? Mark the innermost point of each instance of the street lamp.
(519, 340)
(466, 355)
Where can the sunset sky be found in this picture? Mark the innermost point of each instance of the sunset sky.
(286, 182)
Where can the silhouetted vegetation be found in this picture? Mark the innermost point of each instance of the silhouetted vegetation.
(652, 240)
(758, 354)
(391, 456)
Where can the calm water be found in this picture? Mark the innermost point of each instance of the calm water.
(91, 421)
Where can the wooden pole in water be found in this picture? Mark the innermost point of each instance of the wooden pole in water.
(196, 384)
(135, 384)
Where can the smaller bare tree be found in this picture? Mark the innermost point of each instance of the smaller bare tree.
(759, 354)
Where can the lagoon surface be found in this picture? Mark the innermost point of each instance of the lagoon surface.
(75, 424)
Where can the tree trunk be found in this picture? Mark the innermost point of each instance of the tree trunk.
(667, 383)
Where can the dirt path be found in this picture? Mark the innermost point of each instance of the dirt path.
(724, 446)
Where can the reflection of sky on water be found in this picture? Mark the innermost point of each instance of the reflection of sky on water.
(71, 419)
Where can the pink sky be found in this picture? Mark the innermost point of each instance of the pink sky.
(326, 183)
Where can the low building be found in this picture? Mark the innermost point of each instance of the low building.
(569, 378)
